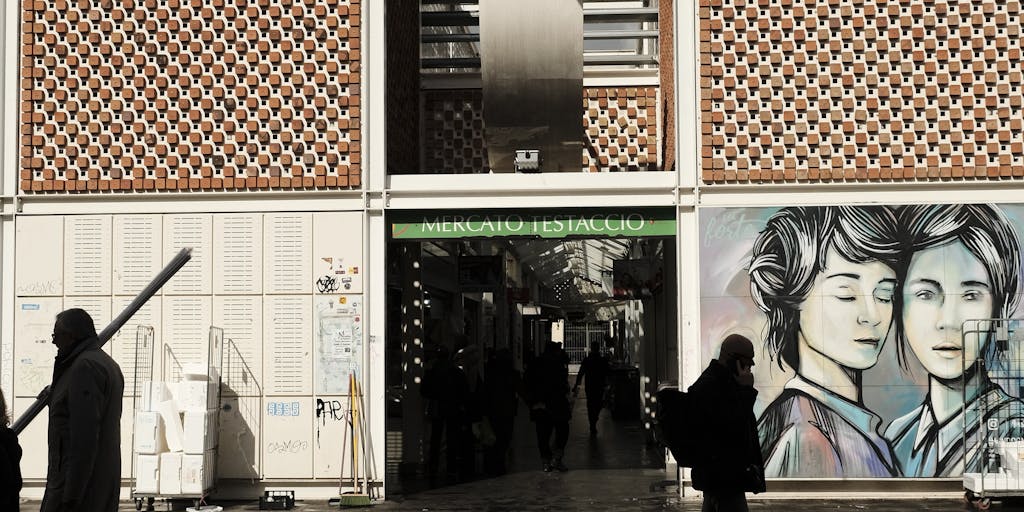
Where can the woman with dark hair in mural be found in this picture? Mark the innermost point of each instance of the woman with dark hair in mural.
(962, 263)
(826, 278)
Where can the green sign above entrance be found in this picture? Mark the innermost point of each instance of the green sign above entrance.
(534, 224)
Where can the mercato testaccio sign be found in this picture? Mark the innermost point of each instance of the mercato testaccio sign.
(544, 225)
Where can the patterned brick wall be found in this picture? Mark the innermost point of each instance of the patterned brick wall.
(850, 90)
(620, 125)
(190, 94)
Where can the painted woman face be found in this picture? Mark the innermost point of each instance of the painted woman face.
(847, 314)
(945, 286)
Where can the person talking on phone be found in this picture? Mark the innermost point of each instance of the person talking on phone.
(728, 463)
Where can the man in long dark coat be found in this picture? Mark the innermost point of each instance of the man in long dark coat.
(728, 460)
(84, 438)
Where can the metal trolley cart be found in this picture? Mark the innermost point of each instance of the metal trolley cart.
(176, 432)
(993, 413)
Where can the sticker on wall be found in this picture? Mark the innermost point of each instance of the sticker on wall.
(337, 245)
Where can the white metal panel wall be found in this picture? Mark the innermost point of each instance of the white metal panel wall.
(238, 254)
(328, 434)
(34, 352)
(186, 330)
(288, 330)
(241, 317)
(122, 345)
(287, 253)
(193, 231)
(288, 437)
(238, 449)
(39, 255)
(87, 243)
(138, 250)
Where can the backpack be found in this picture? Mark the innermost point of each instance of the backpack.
(676, 425)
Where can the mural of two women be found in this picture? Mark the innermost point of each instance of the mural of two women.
(834, 284)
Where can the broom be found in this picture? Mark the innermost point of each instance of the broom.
(359, 497)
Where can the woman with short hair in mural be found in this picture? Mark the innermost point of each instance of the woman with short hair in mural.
(962, 263)
(826, 279)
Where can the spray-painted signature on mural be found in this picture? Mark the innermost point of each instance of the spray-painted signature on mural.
(835, 286)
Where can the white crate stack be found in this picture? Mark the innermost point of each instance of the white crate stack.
(176, 436)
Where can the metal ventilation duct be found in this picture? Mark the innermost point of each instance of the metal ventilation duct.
(532, 71)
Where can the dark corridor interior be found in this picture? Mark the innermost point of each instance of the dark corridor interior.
(489, 307)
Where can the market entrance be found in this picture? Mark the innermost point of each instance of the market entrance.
(475, 297)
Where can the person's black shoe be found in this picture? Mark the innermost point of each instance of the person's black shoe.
(547, 467)
(560, 466)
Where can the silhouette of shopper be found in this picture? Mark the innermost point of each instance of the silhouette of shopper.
(547, 381)
(84, 438)
(594, 373)
(502, 384)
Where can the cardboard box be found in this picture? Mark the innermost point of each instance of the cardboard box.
(149, 433)
(147, 474)
(170, 473)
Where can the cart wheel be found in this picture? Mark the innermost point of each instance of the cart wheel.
(969, 497)
(138, 503)
(984, 503)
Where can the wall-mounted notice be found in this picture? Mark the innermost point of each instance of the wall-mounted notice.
(287, 438)
(39, 252)
(33, 348)
(339, 342)
(288, 252)
(193, 231)
(138, 252)
(238, 254)
(287, 329)
(338, 252)
(241, 317)
(87, 265)
(238, 450)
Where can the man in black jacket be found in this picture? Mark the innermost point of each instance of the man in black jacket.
(84, 438)
(728, 461)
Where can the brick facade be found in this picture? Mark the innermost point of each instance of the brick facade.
(190, 94)
(850, 90)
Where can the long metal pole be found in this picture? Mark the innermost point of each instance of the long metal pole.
(43, 399)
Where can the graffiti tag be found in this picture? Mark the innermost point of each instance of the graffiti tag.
(730, 225)
(327, 284)
(51, 287)
(330, 410)
(290, 446)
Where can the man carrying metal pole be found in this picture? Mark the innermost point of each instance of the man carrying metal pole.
(77, 358)
(84, 459)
